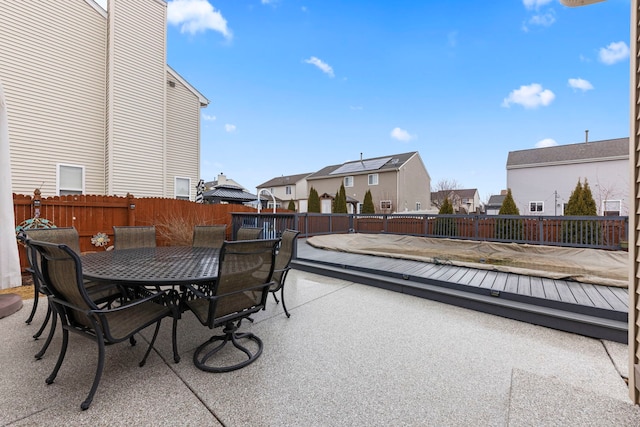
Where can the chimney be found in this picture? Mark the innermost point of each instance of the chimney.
(586, 136)
(222, 179)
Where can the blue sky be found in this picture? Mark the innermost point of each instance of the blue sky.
(296, 85)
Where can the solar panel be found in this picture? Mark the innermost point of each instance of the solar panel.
(361, 166)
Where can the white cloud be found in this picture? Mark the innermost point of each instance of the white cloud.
(532, 96)
(194, 16)
(401, 135)
(581, 84)
(323, 66)
(613, 53)
(535, 4)
(544, 20)
(356, 107)
(230, 128)
(208, 117)
(547, 142)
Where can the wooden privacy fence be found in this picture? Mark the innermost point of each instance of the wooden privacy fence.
(91, 214)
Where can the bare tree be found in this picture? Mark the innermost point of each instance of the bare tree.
(442, 190)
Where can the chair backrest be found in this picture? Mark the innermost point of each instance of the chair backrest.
(61, 271)
(61, 235)
(244, 276)
(209, 236)
(248, 233)
(129, 237)
(284, 255)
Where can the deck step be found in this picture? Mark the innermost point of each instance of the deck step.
(587, 321)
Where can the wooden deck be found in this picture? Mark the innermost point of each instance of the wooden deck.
(591, 310)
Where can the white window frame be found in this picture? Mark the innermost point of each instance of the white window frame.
(68, 190)
(611, 201)
(372, 179)
(175, 188)
(359, 208)
(348, 181)
(287, 190)
(384, 203)
(539, 208)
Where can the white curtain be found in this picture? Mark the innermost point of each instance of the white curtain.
(9, 260)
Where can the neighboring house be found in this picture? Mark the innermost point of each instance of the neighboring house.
(492, 207)
(464, 201)
(225, 190)
(542, 179)
(398, 183)
(286, 188)
(93, 106)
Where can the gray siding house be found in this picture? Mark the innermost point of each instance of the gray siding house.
(542, 179)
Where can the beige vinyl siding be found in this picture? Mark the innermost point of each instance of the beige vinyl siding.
(414, 185)
(136, 144)
(55, 89)
(183, 136)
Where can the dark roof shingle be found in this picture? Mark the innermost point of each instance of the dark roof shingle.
(597, 150)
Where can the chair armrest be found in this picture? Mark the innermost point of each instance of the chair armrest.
(200, 294)
(131, 304)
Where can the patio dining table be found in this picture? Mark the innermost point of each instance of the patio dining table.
(174, 266)
(158, 266)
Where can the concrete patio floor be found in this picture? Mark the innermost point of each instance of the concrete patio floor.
(350, 355)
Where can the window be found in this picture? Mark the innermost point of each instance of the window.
(373, 179)
(182, 187)
(418, 206)
(536, 207)
(611, 207)
(70, 179)
(348, 181)
(287, 189)
(385, 204)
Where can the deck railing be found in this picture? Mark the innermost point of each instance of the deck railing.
(601, 232)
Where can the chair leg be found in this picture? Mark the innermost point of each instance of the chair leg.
(36, 296)
(229, 336)
(174, 340)
(44, 323)
(63, 351)
(101, 350)
(275, 297)
(132, 340)
(52, 330)
(153, 340)
(283, 304)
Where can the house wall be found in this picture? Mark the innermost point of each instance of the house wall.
(136, 150)
(55, 91)
(385, 190)
(414, 186)
(183, 135)
(608, 180)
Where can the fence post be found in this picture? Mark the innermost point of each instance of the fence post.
(476, 226)
(540, 230)
(131, 201)
(36, 203)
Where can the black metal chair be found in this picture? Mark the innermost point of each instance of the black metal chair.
(62, 235)
(282, 267)
(248, 233)
(209, 236)
(127, 237)
(60, 270)
(244, 277)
